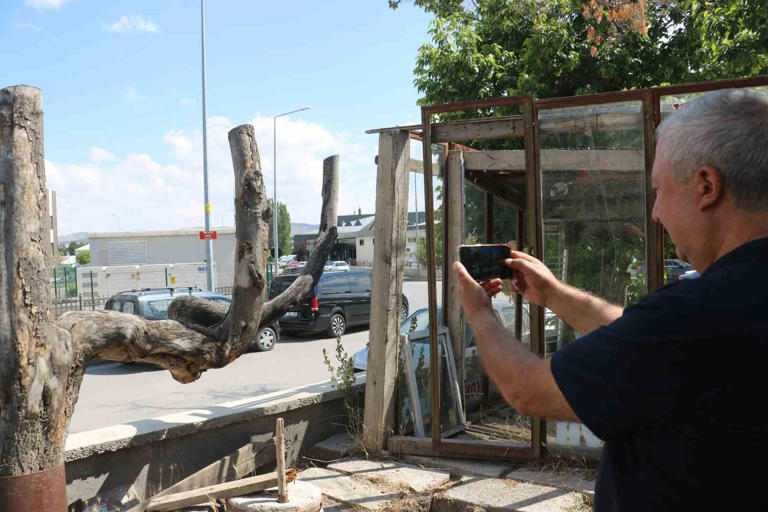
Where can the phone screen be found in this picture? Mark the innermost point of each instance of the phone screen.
(486, 262)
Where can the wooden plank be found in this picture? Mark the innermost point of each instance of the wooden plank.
(206, 494)
(558, 160)
(501, 188)
(478, 129)
(388, 263)
(417, 166)
(243, 461)
(513, 126)
(453, 201)
(469, 448)
(573, 122)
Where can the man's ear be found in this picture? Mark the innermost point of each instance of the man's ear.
(709, 184)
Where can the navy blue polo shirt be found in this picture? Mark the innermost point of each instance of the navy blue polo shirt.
(677, 389)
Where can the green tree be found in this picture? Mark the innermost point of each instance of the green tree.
(284, 245)
(549, 48)
(488, 48)
(83, 257)
(72, 246)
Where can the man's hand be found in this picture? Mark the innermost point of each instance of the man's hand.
(532, 279)
(474, 297)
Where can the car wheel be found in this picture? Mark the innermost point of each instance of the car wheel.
(403, 310)
(265, 340)
(337, 325)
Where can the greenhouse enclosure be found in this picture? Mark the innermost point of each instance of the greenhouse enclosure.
(566, 180)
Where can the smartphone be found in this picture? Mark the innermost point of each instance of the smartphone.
(486, 261)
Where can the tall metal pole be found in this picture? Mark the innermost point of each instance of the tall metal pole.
(274, 178)
(210, 278)
(276, 269)
(416, 200)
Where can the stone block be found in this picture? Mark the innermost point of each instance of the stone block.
(459, 467)
(503, 495)
(572, 479)
(348, 490)
(332, 449)
(395, 474)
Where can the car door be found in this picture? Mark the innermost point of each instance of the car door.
(360, 296)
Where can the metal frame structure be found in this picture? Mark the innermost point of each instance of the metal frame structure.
(527, 127)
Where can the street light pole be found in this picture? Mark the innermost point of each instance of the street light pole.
(210, 278)
(274, 177)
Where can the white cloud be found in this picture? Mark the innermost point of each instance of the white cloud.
(147, 194)
(46, 4)
(135, 100)
(135, 23)
(27, 26)
(99, 155)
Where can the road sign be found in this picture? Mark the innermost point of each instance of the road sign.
(207, 235)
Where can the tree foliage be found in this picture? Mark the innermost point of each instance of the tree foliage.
(83, 257)
(284, 245)
(488, 48)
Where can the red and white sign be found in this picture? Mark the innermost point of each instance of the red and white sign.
(207, 235)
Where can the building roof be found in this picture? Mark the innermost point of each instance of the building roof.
(145, 234)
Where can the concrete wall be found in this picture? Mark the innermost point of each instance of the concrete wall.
(364, 251)
(120, 467)
(166, 248)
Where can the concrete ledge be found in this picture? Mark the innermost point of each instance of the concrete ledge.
(122, 465)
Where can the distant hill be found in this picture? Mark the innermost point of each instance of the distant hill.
(73, 237)
(299, 228)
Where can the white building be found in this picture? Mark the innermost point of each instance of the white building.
(151, 247)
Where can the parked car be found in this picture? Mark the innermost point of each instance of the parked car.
(340, 265)
(328, 266)
(673, 268)
(691, 274)
(417, 323)
(152, 304)
(338, 301)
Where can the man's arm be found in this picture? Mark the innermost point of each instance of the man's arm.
(579, 309)
(524, 379)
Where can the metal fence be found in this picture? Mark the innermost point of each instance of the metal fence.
(79, 303)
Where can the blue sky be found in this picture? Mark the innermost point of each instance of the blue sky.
(121, 92)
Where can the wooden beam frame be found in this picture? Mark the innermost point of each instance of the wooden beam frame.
(386, 296)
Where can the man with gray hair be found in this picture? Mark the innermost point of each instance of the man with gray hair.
(672, 384)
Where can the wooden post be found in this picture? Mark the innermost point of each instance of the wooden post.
(388, 261)
(282, 491)
(34, 355)
(453, 236)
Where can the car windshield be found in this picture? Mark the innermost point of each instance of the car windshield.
(159, 308)
(280, 284)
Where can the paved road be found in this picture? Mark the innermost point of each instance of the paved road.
(114, 393)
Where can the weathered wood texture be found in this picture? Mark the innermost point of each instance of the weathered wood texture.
(558, 160)
(42, 364)
(210, 494)
(192, 309)
(388, 262)
(454, 237)
(34, 355)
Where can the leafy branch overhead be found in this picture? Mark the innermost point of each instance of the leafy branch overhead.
(550, 48)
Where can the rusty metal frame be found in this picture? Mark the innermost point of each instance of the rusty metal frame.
(650, 100)
(456, 447)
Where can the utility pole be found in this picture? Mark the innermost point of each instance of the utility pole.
(210, 278)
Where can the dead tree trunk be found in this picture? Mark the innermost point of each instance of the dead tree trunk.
(35, 355)
(42, 365)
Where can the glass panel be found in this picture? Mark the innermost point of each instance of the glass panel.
(416, 325)
(158, 309)
(593, 210)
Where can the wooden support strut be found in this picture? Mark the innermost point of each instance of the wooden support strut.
(388, 263)
(282, 490)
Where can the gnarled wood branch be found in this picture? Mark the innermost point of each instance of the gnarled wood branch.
(200, 335)
(192, 309)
